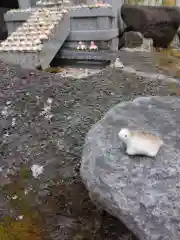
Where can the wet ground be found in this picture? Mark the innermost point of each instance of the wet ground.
(74, 72)
(44, 120)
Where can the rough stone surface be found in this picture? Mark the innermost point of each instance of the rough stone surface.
(141, 191)
(132, 39)
(55, 205)
(156, 22)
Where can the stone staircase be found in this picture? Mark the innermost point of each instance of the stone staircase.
(36, 42)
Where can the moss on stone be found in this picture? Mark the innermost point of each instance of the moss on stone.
(24, 229)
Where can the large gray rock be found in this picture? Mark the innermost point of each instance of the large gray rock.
(156, 22)
(142, 192)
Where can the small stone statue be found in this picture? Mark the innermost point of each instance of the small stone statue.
(99, 3)
(81, 46)
(93, 46)
(140, 143)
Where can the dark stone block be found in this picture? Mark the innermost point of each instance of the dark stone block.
(156, 22)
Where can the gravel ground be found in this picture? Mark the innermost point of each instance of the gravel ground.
(153, 62)
(55, 206)
(141, 61)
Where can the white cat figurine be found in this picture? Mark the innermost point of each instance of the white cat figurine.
(140, 143)
(81, 46)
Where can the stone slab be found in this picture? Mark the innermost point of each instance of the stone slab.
(95, 35)
(86, 55)
(91, 12)
(17, 15)
(142, 192)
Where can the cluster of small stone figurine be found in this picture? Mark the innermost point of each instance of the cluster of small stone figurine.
(140, 143)
(82, 46)
(93, 47)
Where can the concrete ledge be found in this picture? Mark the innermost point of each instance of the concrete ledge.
(91, 12)
(102, 45)
(80, 55)
(74, 13)
(17, 16)
(96, 35)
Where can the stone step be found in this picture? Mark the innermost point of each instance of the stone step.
(87, 55)
(36, 42)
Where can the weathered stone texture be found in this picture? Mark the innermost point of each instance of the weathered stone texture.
(142, 192)
(156, 22)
